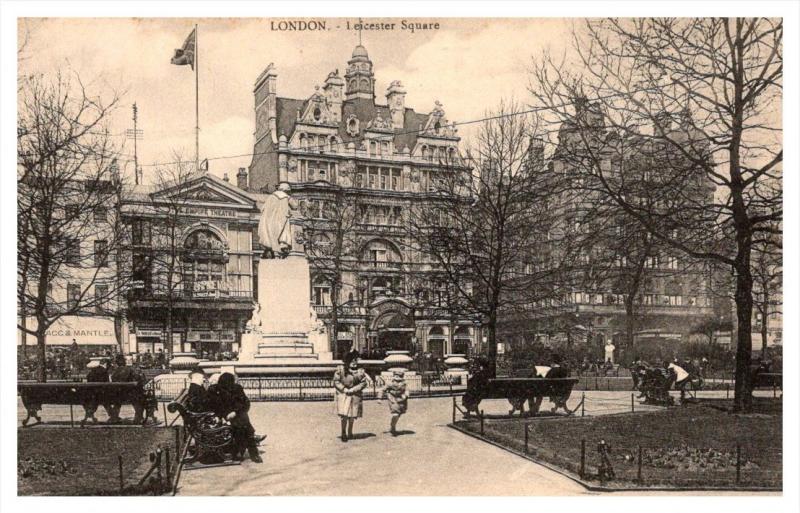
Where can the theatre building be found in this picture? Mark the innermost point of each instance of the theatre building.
(382, 158)
(193, 262)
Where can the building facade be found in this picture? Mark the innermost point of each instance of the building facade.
(194, 264)
(362, 165)
(624, 284)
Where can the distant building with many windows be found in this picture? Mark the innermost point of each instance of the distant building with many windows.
(377, 160)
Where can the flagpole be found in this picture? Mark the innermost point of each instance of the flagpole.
(196, 102)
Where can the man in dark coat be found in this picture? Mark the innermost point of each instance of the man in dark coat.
(97, 374)
(228, 401)
(124, 373)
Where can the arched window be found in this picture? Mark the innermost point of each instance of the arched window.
(317, 114)
(425, 154)
(364, 84)
(303, 141)
(204, 261)
(332, 143)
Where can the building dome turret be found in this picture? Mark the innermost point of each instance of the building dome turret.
(360, 52)
(359, 78)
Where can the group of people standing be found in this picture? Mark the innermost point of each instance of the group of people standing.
(349, 382)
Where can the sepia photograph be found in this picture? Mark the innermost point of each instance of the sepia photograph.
(360, 255)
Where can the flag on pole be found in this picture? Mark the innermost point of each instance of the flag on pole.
(185, 55)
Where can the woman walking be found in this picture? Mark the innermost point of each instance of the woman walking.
(350, 382)
(397, 394)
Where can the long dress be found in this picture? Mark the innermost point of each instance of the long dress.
(350, 405)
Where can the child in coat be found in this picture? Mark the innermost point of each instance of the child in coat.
(397, 394)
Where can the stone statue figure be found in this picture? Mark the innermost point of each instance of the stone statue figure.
(274, 229)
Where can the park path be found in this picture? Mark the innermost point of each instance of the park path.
(304, 456)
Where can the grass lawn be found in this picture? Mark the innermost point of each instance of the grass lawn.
(75, 461)
(692, 446)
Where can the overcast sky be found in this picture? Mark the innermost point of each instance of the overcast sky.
(468, 64)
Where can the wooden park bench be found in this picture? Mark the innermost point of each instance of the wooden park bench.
(208, 438)
(519, 390)
(34, 395)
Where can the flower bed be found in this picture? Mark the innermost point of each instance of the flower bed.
(75, 461)
(694, 446)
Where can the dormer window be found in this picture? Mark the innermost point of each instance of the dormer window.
(317, 114)
(437, 128)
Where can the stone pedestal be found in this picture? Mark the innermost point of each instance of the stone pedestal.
(279, 343)
(284, 295)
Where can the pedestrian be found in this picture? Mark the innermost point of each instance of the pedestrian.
(350, 381)
(397, 394)
(228, 401)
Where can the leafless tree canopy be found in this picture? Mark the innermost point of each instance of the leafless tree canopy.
(68, 183)
(700, 99)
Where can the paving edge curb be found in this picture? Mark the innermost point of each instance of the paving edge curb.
(596, 488)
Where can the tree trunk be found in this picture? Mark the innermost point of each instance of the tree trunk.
(744, 342)
(41, 340)
(491, 341)
(764, 317)
(629, 322)
(335, 319)
(168, 342)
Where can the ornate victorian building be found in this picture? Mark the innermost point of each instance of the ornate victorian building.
(193, 260)
(360, 167)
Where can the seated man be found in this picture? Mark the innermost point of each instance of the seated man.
(680, 377)
(98, 374)
(228, 401)
(475, 386)
(124, 373)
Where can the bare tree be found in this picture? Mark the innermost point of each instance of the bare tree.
(493, 229)
(330, 228)
(705, 95)
(68, 181)
(157, 240)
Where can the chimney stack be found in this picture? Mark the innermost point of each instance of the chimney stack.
(241, 178)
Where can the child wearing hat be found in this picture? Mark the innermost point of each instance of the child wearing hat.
(397, 394)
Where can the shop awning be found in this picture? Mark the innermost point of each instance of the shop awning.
(85, 330)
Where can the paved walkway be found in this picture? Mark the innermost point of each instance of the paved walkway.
(304, 456)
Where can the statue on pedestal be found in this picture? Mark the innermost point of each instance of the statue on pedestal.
(274, 228)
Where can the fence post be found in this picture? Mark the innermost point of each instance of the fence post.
(526, 438)
(158, 471)
(167, 467)
(738, 463)
(632, 407)
(583, 403)
(454, 409)
(71, 417)
(639, 469)
(259, 387)
(300, 386)
(166, 422)
(583, 458)
(450, 383)
(121, 478)
(481, 422)
(429, 388)
(727, 390)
